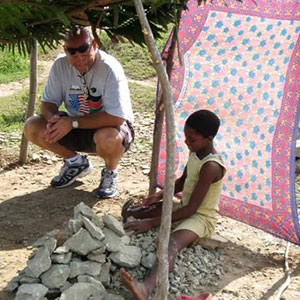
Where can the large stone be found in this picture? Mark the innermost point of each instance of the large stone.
(74, 225)
(97, 257)
(61, 250)
(13, 284)
(113, 224)
(114, 242)
(63, 258)
(56, 276)
(65, 286)
(82, 291)
(95, 231)
(50, 244)
(40, 263)
(99, 251)
(90, 279)
(129, 256)
(104, 274)
(27, 279)
(33, 291)
(43, 241)
(83, 209)
(82, 242)
(84, 268)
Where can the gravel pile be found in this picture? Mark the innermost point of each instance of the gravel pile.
(82, 262)
(194, 266)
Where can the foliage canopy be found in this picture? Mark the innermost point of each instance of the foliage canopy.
(48, 20)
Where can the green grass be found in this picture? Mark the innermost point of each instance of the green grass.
(142, 97)
(13, 110)
(13, 67)
(135, 59)
(141, 68)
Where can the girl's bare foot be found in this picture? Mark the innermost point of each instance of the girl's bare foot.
(137, 289)
(205, 296)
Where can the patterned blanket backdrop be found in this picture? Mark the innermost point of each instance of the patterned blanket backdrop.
(242, 61)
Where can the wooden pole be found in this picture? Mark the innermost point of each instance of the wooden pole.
(159, 123)
(155, 150)
(165, 227)
(32, 98)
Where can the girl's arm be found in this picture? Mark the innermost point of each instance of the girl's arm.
(159, 195)
(209, 173)
(179, 183)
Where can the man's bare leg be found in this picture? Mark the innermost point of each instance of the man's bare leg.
(137, 290)
(109, 146)
(34, 130)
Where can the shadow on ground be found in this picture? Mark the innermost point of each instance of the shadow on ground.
(25, 218)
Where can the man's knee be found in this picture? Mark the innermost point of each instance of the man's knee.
(34, 127)
(107, 140)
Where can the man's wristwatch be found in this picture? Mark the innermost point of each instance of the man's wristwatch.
(75, 123)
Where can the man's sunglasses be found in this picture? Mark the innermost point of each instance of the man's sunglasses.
(82, 49)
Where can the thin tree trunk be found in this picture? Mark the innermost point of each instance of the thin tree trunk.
(164, 232)
(32, 98)
(155, 150)
(159, 124)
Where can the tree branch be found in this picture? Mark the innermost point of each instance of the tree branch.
(93, 5)
(165, 227)
(35, 4)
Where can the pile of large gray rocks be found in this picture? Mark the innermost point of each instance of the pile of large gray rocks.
(74, 264)
(82, 262)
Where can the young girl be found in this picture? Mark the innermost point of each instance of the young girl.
(195, 217)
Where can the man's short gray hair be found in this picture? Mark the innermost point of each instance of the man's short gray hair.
(76, 32)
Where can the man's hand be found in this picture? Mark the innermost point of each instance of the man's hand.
(57, 128)
(139, 226)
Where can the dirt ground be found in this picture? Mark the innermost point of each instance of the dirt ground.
(29, 208)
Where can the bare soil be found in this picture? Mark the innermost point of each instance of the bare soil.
(29, 208)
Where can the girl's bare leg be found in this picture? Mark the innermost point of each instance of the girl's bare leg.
(141, 290)
(136, 289)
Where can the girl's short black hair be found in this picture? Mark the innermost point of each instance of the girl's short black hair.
(204, 122)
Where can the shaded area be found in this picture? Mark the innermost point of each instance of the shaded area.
(41, 212)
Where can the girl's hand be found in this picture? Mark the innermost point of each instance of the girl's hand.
(139, 226)
(153, 198)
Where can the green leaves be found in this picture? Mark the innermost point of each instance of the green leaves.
(20, 23)
(47, 20)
